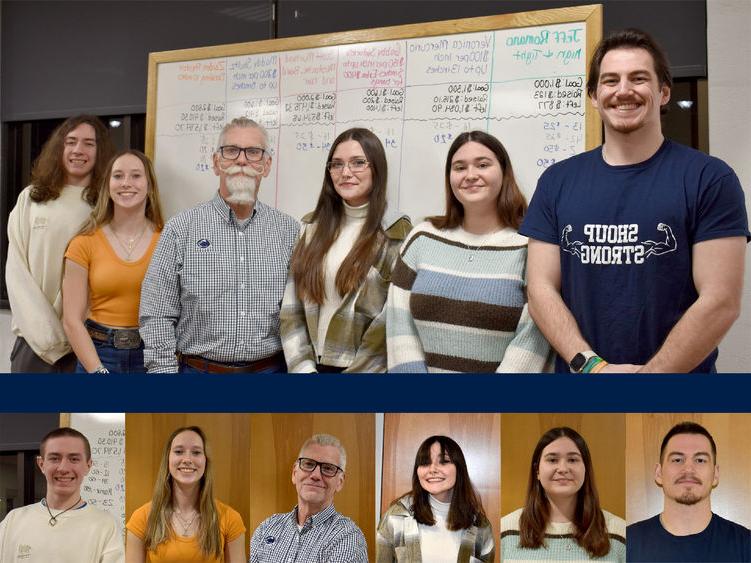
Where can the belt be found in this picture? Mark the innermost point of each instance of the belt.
(212, 366)
(120, 338)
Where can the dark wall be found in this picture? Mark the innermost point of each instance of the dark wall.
(679, 25)
(63, 57)
(60, 58)
(25, 431)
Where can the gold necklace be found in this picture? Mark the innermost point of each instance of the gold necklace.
(186, 526)
(130, 246)
(53, 517)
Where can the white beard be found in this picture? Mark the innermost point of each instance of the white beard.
(243, 190)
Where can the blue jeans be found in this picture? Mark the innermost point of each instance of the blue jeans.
(116, 360)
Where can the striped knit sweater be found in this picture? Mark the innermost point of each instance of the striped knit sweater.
(559, 542)
(457, 303)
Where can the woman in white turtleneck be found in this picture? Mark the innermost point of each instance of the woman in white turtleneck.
(332, 316)
(442, 519)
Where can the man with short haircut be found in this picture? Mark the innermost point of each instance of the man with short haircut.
(211, 297)
(637, 248)
(687, 529)
(314, 530)
(48, 213)
(62, 528)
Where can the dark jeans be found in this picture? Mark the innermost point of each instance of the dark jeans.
(24, 360)
(116, 360)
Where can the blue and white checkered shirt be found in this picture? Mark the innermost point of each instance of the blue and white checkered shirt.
(326, 537)
(215, 285)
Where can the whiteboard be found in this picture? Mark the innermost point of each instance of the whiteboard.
(104, 487)
(525, 84)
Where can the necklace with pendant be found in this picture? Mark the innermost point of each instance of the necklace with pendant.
(53, 517)
(485, 239)
(131, 243)
(186, 525)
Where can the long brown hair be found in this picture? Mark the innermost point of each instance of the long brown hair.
(48, 174)
(465, 509)
(307, 262)
(511, 204)
(159, 527)
(590, 530)
(104, 209)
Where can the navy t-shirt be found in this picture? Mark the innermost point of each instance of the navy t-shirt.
(626, 234)
(721, 540)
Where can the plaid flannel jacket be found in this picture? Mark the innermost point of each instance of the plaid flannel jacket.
(356, 337)
(398, 538)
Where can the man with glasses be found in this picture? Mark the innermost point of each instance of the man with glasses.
(211, 296)
(313, 530)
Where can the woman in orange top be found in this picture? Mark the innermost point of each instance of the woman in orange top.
(184, 523)
(105, 265)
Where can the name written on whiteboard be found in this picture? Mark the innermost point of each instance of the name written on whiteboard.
(545, 44)
(457, 56)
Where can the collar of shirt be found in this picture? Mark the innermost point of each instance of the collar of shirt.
(316, 519)
(226, 213)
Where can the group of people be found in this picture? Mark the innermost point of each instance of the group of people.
(634, 261)
(440, 520)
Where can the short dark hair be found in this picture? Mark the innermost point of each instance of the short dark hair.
(630, 39)
(65, 431)
(688, 428)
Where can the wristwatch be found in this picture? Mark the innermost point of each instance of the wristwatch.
(577, 363)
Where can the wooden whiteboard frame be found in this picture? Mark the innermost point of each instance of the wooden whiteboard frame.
(591, 15)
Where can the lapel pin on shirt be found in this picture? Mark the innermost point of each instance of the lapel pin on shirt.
(203, 243)
(269, 539)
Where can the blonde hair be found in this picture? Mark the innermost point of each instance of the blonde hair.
(104, 209)
(159, 527)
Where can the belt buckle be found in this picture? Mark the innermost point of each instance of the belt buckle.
(126, 339)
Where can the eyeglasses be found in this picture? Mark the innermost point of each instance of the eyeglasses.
(252, 154)
(356, 165)
(327, 469)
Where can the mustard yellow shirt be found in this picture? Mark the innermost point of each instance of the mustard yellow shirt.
(114, 284)
(186, 550)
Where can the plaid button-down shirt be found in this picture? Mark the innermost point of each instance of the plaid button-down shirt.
(326, 537)
(215, 285)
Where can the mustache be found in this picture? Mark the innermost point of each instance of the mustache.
(237, 169)
(689, 478)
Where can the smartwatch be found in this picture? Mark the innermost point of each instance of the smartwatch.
(577, 363)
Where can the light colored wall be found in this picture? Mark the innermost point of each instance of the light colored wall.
(729, 65)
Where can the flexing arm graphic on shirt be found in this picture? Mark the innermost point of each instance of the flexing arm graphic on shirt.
(566, 245)
(663, 247)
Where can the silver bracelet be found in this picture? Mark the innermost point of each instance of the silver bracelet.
(101, 369)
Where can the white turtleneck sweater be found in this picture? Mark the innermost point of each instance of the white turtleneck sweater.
(438, 544)
(352, 223)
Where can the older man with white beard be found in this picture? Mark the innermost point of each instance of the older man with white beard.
(210, 300)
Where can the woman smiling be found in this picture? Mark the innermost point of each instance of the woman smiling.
(441, 520)
(457, 301)
(562, 519)
(184, 523)
(105, 265)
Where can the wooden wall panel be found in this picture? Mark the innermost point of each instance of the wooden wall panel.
(275, 443)
(229, 442)
(644, 433)
(604, 434)
(477, 434)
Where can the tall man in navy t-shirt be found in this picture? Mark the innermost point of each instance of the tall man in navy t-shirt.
(687, 530)
(637, 247)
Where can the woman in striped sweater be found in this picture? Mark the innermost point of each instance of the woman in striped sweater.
(457, 302)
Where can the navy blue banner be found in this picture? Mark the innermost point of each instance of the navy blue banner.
(375, 393)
